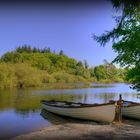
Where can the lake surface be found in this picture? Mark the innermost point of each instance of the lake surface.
(20, 110)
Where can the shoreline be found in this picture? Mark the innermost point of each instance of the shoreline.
(129, 129)
(75, 85)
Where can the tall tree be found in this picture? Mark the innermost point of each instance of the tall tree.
(61, 52)
(35, 50)
(80, 64)
(86, 64)
(126, 38)
(46, 50)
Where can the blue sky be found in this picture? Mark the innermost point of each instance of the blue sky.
(69, 28)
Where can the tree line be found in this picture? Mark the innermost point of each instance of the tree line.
(30, 49)
(25, 67)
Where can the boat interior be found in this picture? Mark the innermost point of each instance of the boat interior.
(71, 104)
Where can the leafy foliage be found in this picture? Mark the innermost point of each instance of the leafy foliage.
(27, 76)
(27, 67)
(126, 38)
(133, 76)
(7, 77)
(105, 72)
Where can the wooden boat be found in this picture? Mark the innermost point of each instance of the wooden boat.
(97, 112)
(131, 109)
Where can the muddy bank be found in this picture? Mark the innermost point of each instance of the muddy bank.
(129, 129)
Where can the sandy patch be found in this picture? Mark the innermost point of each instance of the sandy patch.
(70, 131)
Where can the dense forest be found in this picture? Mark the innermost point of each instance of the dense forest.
(28, 67)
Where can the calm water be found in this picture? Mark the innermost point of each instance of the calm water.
(20, 110)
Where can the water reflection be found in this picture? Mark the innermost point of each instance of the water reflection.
(28, 100)
(23, 106)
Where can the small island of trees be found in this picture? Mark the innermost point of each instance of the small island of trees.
(28, 66)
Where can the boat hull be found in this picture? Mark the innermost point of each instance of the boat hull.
(103, 113)
(131, 112)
